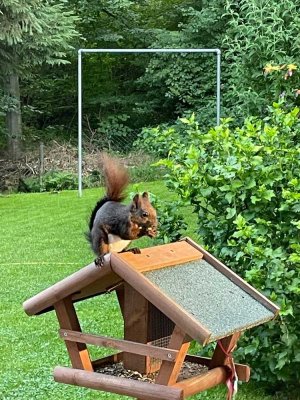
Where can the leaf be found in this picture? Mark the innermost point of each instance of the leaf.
(240, 221)
(296, 224)
(254, 199)
(297, 356)
(268, 194)
(185, 121)
(296, 207)
(237, 184)
(230, 213)
(250, 183)
(281, 363)
(206, 192)
(229, 196)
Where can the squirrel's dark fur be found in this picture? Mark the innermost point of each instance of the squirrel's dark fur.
(113, 225)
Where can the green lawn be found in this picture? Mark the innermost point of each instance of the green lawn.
(42, 241)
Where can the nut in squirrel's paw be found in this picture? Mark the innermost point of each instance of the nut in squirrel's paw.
(151, 231)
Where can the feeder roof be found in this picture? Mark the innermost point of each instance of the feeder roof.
(192, 288)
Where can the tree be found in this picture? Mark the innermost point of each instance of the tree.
(33, 32)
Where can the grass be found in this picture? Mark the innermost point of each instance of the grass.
(42, 241)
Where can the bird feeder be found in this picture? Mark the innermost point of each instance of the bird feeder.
(169, 295)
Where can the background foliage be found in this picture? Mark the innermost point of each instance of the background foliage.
(258, 32)
(244, 186)
(144, 91)
(245, 190)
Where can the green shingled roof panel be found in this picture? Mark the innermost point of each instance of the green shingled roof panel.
(210, 297)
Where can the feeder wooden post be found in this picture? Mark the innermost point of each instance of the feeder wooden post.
(229, 344)
(67, 319)
(169, 370)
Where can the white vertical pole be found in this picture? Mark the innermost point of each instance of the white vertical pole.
(80, 123)
(218, 86)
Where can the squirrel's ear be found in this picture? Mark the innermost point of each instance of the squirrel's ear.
(136, 201)
(145, 195)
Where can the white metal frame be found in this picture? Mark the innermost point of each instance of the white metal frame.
(135, 51)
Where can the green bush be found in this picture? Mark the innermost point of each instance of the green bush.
(114, 133)
(54, 181)
(171, 224)
(244, 185)
(51, 181)
(153, 142)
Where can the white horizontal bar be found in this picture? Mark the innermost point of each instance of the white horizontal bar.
(218, 51)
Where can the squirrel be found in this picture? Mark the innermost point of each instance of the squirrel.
(113, 225)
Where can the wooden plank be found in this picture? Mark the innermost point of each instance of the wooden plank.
(135, 327)
(219, 358)
(202, 382)
(151, 292)
(235, 278)
(169, 370)
(114, 384)
(243, 371)
(69, 286)
(67, 319)
(106, 284)
(161, 353)
(161, 256)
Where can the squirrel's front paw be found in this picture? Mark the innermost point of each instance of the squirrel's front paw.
(135, 250)
(99, 261)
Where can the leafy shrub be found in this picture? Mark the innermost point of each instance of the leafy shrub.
(51, 181)
(145, 173)
(152, 141)
(59, 181)
(244, 186)
(114, 133)
(94, 179)
(29, 185)
(56, 181)
(171, 223)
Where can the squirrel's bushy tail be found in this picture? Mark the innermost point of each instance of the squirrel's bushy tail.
(116, 180)
(116, 177)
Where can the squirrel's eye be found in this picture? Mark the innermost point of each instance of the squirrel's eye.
(145, 214)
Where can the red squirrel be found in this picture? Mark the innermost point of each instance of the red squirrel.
(114, 225)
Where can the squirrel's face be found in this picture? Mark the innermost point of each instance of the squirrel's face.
(143, 216)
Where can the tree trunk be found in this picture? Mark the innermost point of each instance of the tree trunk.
(13, 116)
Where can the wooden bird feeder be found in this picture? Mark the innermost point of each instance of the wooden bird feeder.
(168, 295)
